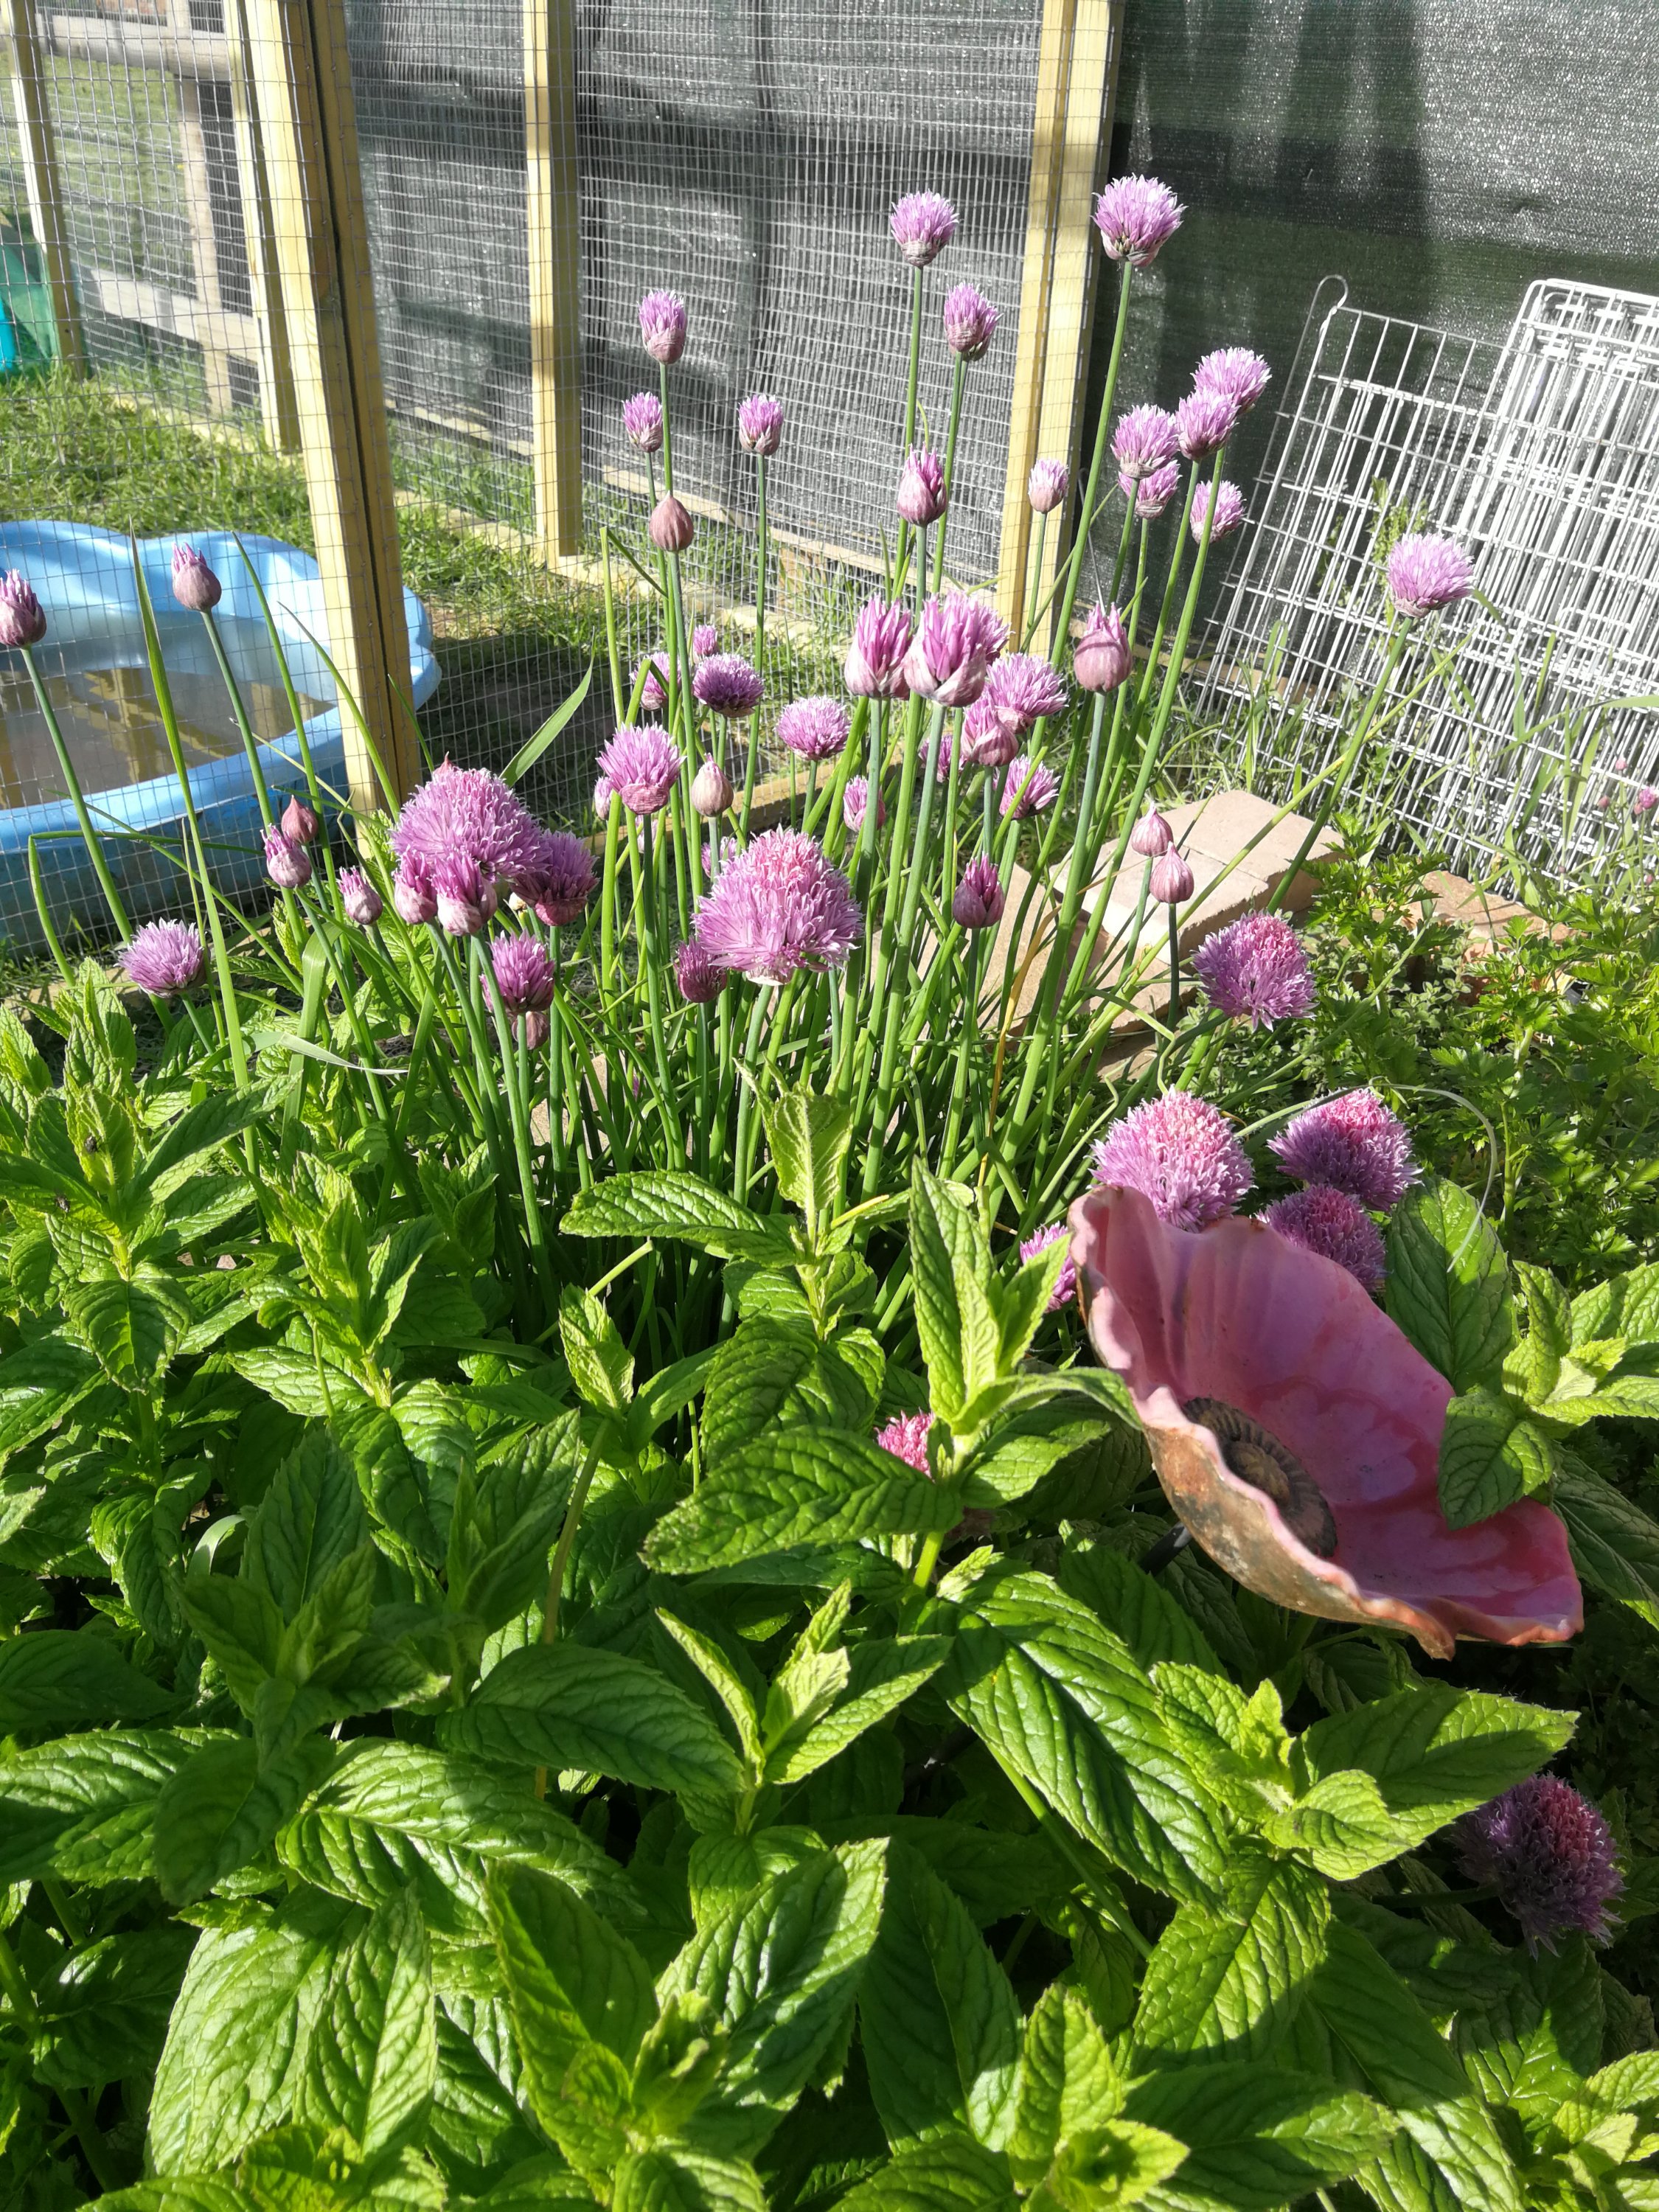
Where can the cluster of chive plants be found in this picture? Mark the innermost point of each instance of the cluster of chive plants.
(581, 1004)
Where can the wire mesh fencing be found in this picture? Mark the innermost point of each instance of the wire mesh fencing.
(1526, 725)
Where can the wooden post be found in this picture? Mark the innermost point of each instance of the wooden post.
(39, 149)
(553, 218)
(278, 407)
(1076, 83)
(205, 243)
(302, 88)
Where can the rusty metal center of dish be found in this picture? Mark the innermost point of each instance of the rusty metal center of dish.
(1258, 1458)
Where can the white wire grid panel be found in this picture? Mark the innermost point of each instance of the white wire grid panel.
(1541, 456)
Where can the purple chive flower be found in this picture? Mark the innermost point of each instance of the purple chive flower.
(194, 584)
(1152, 837)
(1229, 512)
(653, 691)
(562, 880)
(1101, 658)
(906, 1436)
(1255, 971)
(1153, 494)
(705, 639)
(602, 796)
(978, 901)
(469, 813)
(1027, 790)
(1335, 1227)
(413, 897)
(1180, 1154)
(1644, 802)
(854, 801)
(662, 325)
(778, 908)
(712, 790)
(726, 685)
(1047, 485)
(466, 894)
(1171, 880)
(164, 958)
(1353, 1143)
(921, 497)
(985, 743)
(1204, 420)
(642, 766)
(1065, 1290)
(1551, 1857)
(22, 618)
(923, 225)
(970, 321)
(701, 980)
(671, 528)
(815, 729)
(523, 973)
(287, 864)
(1243, 376)
(1136, 217)
(875, 659)
(642, 420)
(948, 751)
(1143, 441)
(760, 423)
(1426, 574)
(359, 900)
(1021, 690)
(300, 822)
(950, 654)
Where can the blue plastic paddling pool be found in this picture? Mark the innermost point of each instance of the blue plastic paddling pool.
(94, 660)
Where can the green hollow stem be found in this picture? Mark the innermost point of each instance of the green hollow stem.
(238, 707)
(746, 1089)
(1072, 570)
(519, 1115)
(912, 382)
(72, 785)
(1175, 964)
(556, 1573)
(489, 1126)
(901, 956)
(958, 385)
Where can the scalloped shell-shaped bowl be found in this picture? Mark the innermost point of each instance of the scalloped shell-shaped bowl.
(1236, 1312)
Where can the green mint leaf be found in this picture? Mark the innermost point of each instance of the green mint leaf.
(241, 1628)
(881, 1674)
(1060, 1701)
(82, 1807)
(1615, 1545)
(1391, 2044)
(599, 1363)
(1068, 2085)
(236, 2043)
(567, 1705)
(132, 1328)
(310, 1519)
(1436, 1753)
(1137, 1606)
(655, 1203)
(950, 2173)
(808, 1137)
(396, 1816)
(505, 1520)
(39, 1385)
(62, 1678)
(800, 1486)
(1231, 1979)
(950, 1264)
(1491, 1454)
(104, 2011)
(677, 2177)
(778, 1373)
(1626, 1305)
(223, 1809)
(1257, 2137)
(1549, 1332)
(1107, 2168)
(1448, 1283)
(940, 2023)
(782, 1970)
(723, 1680)
(372, 2061)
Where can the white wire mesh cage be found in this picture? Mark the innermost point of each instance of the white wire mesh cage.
(1529, 739)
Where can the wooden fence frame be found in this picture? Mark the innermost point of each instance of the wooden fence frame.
(302, 86)
(1077, 92)
(46, 197)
